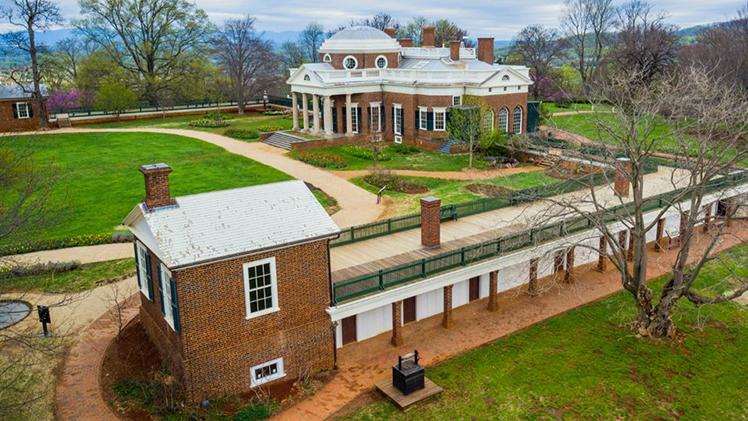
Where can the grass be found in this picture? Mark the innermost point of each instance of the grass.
(99, 182)
(452, 191)
(586, 364)
(421, 160)
(88, 276)
(575, 106)
(247, 122)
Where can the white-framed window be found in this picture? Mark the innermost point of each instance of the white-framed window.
(354, 118)
(260, 287)
(375, 117)
(307, 78)
(440, 119)
(423, 118)
(167, 301)
(266, 372)
(504, 119)
(488, 120)
(381, 62)
(456, 100)
(350, 62)
(326, 58)
(505, 77)
(397, 118)
(23, 110)
(144, 269)
(517, 120)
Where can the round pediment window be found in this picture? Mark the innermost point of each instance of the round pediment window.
(326, 58)
(381, 62)
(350, 62)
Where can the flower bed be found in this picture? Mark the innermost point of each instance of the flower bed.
(323, 160)
(270, 128)
(208, 123)
(394, 183)
(82, 240)
(242, 134)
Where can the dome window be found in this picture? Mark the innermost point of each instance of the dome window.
(381, 62)
(350, 62)
(326, 58)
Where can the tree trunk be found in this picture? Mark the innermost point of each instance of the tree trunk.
(470, 158)
(36, 76)
(653, 321)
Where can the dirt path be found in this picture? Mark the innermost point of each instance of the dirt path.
(85, 254)
(361, 365)
(464, 175)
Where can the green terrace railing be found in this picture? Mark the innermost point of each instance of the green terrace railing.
(396, 275)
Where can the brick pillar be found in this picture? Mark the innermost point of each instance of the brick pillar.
(630, 250)
(602, 260)
(430, 221)
(707, 217)
(623, 177)
(454, 50)
(570, 258)
(659, 239)
(447, 312)
(397, 323)
(558, 262)
(532, 287)
(157, 192)
(493, 285)
(428, 37)
(484, 51)
(390, 31)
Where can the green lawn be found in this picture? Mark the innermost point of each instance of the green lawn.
(418, 160)
(587, 364)
(87, 276)
(576, 106)
(99, 181)
(451, 191)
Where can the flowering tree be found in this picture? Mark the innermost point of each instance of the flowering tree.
(62, 101)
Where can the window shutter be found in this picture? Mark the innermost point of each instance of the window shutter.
(418, 120)
(402, 120)
(149, 274)
(135, 247)
(15, 111)
(381, 117)
(335, 119)
(161, 291)
(446, 120)
(174, 303)
(31, 109)
(429, 120)
(358, 120)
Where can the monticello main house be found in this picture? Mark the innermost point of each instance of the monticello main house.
(367, 82)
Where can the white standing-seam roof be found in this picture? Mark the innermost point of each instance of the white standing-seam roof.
(209, 226)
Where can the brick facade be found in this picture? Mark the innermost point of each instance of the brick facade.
(8, 123)
(217, 345)
(365, 60)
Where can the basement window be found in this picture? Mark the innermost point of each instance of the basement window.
(266, 372)
(260, 288)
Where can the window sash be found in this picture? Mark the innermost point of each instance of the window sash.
(22, 110)
(440, 120)
(456, 100)
(375, 119)
(143, 264)
(504, 120)
(423, 119)
(267, 372)
(260, 288)
(398, 121)
(165, 280)
(354, 119)
(517, 120)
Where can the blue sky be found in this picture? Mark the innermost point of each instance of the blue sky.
(498, 18)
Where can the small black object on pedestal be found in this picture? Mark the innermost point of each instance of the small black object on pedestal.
(44, 318)
(407, 375)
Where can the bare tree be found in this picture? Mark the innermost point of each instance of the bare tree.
(645, 43)
(310, 39)
(381, 20)
(708, 122)
(588, 22)
(538, 47)
(291, 54)
(32, 16)
(247, 59)
(151, 40)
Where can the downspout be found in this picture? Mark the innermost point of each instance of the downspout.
(332, 303)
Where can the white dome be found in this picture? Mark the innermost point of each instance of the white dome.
(359, 39)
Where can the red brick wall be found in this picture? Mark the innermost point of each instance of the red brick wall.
(8, 123)
(365, 61)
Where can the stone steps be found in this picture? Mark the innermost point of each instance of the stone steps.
(283, 140)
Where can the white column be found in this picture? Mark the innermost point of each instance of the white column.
(295, 111)
(304, 112)
(328, 116)
(348, 116)
(315, 113)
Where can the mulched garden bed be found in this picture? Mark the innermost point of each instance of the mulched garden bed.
(489, 190)
(395, 183)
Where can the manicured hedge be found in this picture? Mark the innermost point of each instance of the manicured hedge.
(82, 240)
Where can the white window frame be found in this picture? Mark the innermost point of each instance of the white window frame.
(273, 287)
(354, 61)
(493, 117)
(165, 281)
(443, 113)
(517, 130)
(143, 269)
(355, 124)
(398, 126)
(456, 100)
(505, 127)
(386, 62)
(423, 118)
(376, 128)
(327, 58)
(257, 382)
(26, 112)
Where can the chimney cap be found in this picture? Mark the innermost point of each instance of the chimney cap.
(154, 167)
(430, 199)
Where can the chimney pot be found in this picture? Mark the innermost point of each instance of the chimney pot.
(430, 222)
(405, 42)
(623, 177)
(454, 50)
(428, 39)
(485, 50)
(157, 185)
(390, 31)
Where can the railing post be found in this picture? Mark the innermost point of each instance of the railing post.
(462, 256)
(381, 280)
(352, 231)
(423, 267)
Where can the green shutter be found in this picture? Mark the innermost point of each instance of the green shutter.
(174, 303)
(429, 120)
(149, 274)
(402, 121)
(446, 120)
(418, 120)
(161, 291)
(30, 107)
(137, 260)
(381, 117)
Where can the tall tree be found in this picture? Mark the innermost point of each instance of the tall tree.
(446, 31)
(152, 39)
(538, 47)
(381, 20)
(310, 40)
(32, 16)
(247, 59)
(588, 22)
(413, 28)
(645, 43)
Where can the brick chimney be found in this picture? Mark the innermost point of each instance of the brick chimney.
(454, 50)
(405, 42)
(428, 36)
(390, 31)
(623, 174)
(157, 185)
(485, 50)
(430, 221)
